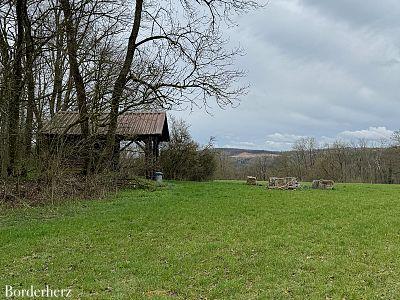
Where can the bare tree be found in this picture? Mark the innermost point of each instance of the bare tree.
(70, 29)
(175, 56)
(16, 92)
(30, 82)
(179, 58)
(396, 138)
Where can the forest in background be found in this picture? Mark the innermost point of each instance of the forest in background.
(340, 161)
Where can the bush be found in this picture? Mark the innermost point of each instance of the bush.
(184, 159)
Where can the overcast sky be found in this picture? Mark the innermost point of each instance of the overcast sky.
(329, 69)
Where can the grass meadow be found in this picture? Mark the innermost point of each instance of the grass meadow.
(214, 240)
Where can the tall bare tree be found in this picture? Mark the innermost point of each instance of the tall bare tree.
(16, 92)
(181, 57)
(75, 55)
(70, 29)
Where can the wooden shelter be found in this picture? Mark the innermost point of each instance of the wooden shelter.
(146, 129)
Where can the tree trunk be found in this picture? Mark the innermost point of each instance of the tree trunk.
(5, 95)
(29, 54)
(120, 83)
(70, 30)
(14, 104)
(55, 99)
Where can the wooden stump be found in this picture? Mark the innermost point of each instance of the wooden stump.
(251, 180)
(323, 184)
(287, 183)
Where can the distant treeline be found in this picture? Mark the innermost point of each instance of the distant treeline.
(339, 161)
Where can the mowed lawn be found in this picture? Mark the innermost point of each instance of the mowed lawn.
(217, 240)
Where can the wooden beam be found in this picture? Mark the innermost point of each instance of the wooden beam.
(126, 146)
(143, 147)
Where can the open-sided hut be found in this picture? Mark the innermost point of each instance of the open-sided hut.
(146, 129)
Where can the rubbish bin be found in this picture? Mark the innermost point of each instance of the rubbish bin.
(158, 176)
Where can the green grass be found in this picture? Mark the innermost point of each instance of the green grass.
(221, 240)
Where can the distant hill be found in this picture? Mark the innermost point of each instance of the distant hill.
(247, 153)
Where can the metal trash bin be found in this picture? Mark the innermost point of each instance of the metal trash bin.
(158, 176)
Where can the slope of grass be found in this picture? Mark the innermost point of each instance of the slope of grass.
(220, 240)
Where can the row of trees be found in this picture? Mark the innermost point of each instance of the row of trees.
(107, 56)
(228, 167)
(339, 161)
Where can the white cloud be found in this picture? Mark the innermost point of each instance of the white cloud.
(248, 144)
(280, 141)
(283, 137)
(374, 136)
(370, 134)
(277, 146)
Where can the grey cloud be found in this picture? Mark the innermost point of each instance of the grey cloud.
(316, 68)
(370, 13)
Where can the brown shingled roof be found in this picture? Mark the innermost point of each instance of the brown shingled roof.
(130, 125)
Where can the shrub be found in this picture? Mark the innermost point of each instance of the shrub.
(184, 159)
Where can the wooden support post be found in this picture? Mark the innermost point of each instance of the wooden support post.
(157, 149)
(148, 157)
(152, 153)
(116, 155)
